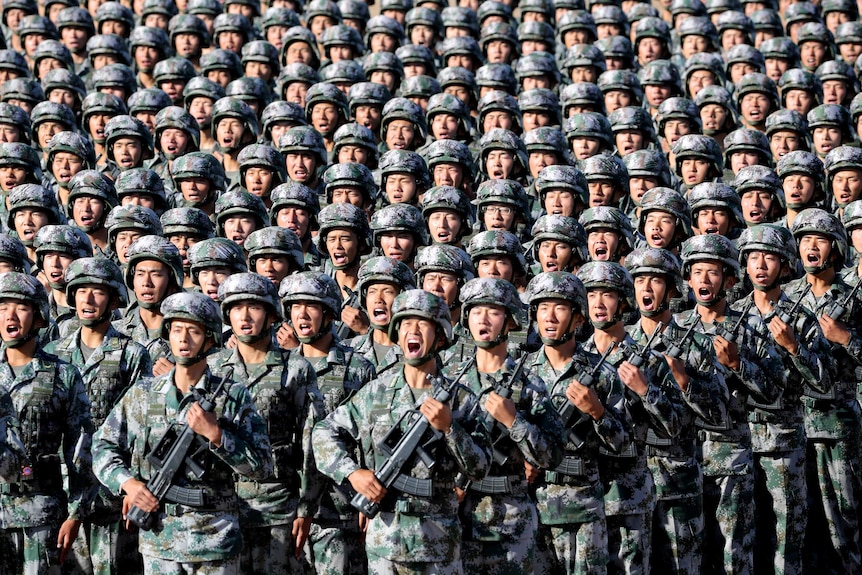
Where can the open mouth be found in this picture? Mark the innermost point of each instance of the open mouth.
(236, 238)
(705, 294)
(246, 329)
(844, 198)
(147, 296)
(398, 145)
(443, 236)
(87, 219)
(755, 114)
(13, 330)
(414, 346)
(100, 132)
(28, 233)
(227, 140)
(322, 126)
(657, 240)
(339, 258)
(126, 162)
(171, 148)
(551, 266)
(710, 230)
(300, 172)
(212, 293)
(647, 303)
(761, 279)
(302, 328)
(755, 215)
(397, 197)
(813, 258)
(195, 196)
(550, 332)
(497, 174)
(380, 315)
(89, 313)
(601, 316)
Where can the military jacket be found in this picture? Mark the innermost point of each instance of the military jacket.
(144, 415)
(284, 390)
(408, 528)
(132, 325)
(364, 346)
(51, 403)
(12, 450)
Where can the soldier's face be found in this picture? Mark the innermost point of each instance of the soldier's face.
(353, 154)
(498, 217)
(417, 337)
(783, 142)
(707, 280)
(603, 304)
(307, 318)
(295, 219)
(151, 281)
(11, 176)
(602, 193)
(249, 318)
(123, 241)
(628, 141)
(400, 134)
(87, 211)
(757, 206)
(496, 267)
(583, 147)
(445, 226)
(639, 185)
(486, 322)
(712, 221)
(238, 228)
(533, 120)
(798, 189)
(743, 159)
(187, 338)
(555, 256)
(659, 229)
(694, 171)
(500, 164)
(825, 138)
(650, 291)
(763, 268)
(602, 244)
(398, 245)
(343, 246)
(442, 284)
(556, 317)
(378, 302)
(560, 203)
(210, 278)
(498, 119)
(847, 186)
(195, 189)
(92, 302)
(54, 266)
(274, 268)
(16, 319)
(29, 221)
(616, 99)
(183, 242)
(815, 250)
(348, 195)
(300, 166)
(400, 188)
(448, 175)
(444, 126)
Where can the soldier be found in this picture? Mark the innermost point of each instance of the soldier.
(715, 209)
(843, 167)
(296, 207)
(421, 325)
(126, 224)
(497, 513)
(198, 179)
(678, 516)
(274, 253)
(750, 367)
(31, 207)
(443, 270)
(398, 231)
(305, 155)
(110, 363)
(67, 154)
(664, 219)
(404, 177)
(760, 194)
(142, 187)
(609, 234)
(128, 144)
(184, 227)
(261, 169)
(91, 197)
(184, 538)
(312, 302)
(40, 521)
(832, 420)
(801, 175)
(448, 215)
(56, 248)
(238, 214)
(234, 126)
(176, 133)
(558, 245)
(698, 160)
(275, 512)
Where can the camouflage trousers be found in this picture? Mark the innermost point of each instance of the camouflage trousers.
(30, 550)
(677, 536)
(270, 550)
(629, 544)
(728, 513)
(104, 550)
(577, 548)
(498, 557)
(832, 539)
(380, 566)
(781, 512)
(156, 566)
(337, 549)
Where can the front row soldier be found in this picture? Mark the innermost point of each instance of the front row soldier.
(573, 536)
(229, 441)
(497, 513)
(312, 302)
(39, 520)
(109, 363)
(276, 512)
(410, 533)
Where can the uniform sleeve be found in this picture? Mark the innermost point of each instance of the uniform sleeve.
(120, 434)
(335, 437)
(311, 487)
(538, 431)
(245, 444)
(468, 440)
(77, 439)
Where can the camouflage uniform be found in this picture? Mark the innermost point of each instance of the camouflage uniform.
(195, 539)
(51, 403)
(411, 534)
(725, 449)
(500, 521)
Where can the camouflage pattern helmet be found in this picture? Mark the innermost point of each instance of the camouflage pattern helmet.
(95, 271)
(719, 96)
(716, 195)
(590, 125)
(699, 26)
(562, 177)
(634, 118)
(788, 121)
(248, 287)
(767, 20)
(14, 252)
(821, 222)
(22, 155)
(546, 139)
(443, 258)
(618, 48)
(23, 287)
(158, 249)
(801, 162)
(187, 221)
(405, 162)
(310, 286)
(678, 109)
(221, 60)
(507, 192)
(709, 248)
(127, 127)
(198, 165)
(856, 106)
(537, 64)
(450, 152)
(383, 62)
(131, 217)
(769, 238)
(404, 109)
(380, 269)
(229, 107)
(840, 159)
(656, 261)
(651, 27)
(350, 174)
(36, 197)
(52, 112)
(15, 116)
(304, 139)
(262, 156)
(460, 17)
(354, 134)
(182, 24)
(274, 241)
(261, 51)
(506, 140)
(556, 285)
(852, 215)
(584, 95)
(177, 118)
(497, 100)
(421, 86)
(747, 140)
(249, 90)
(602, 168)
(90, 183)
(781, 48)
(402, 218)
(621, 80)
(423, 304)
(347, 216)
(816, 32)
(367, 94)
(831, 115)
(240, 203)
(415, 54)
(759, 178)
(383, 24)
(490, 291)
(214, 253)
(15, 62)
(148, 100)
(497, 243)
(609, 218)
(195, 307)
(661, 73)
(448, 104)
(63, 239)
(699, 147)
(294, 194)
(280, 111)
(707, 61)
(798, 79)
(296, 34)
(848, 32)
(561, 229)
(173, 69)
(648, 164)
(24, 89)
(608, 275)
(448, 198)
(498, 76)
(343, 72)
(540, 100)
(669, 201)
(584, 55)
(757, 83)
(72, 143)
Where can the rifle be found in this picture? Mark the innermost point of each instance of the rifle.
(499, 432)
(731, 334)
(352, 301)
(400, 447)
(837, 310)
(639, 356)
(787, 316)
(568, 411)
(674, 347)
(168, 457)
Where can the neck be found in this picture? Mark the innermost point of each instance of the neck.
(99, 238)
(764, 299)
(649, 324)
(347, 276)
(100, 153)
(380, 337)
(230, 162)
(23, 355)
(207, 141)
(604, 338)
(493, 359)
(146, 79)
(92, 336)
(417, 377)
(151, 318)
(253, 352)
(791, 215)
(59, 297)
(31, 253)
(186, 376)
(560, 355)
(820, 283)
(319, 348)
(711, 314)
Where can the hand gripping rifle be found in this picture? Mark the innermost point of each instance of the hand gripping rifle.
(676, 347)
(787, 316)
(352, 301)
(399, 448)
(640, 355)
(499, 432)
(570, 415)
(837, 310)
(171, 454)
(731, 334)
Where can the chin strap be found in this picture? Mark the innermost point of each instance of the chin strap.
(558, 341)
(19, 341)
(325, 329)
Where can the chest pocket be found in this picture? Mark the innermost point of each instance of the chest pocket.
(274, 401)
(332, 387)
(106, 387)
(41, 423)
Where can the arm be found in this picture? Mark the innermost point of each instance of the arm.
(77, 438)
(538, 431)
(309, 402)
(244, 440)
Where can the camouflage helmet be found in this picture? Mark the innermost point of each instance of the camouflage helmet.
(350, 174)
(546, 139)
(36, 197)
(262, 156)
(382, 24)
(851, 217)
(602, 168)
(856, 108)
(261, 51)
(24, 89)
(537, 64)
(52, 112)
(648, 164)
(232, 23)
(767, 20)
(698, 147)
(699, 25)
(96, 271)
(716, 195)
(460, 17)
(63, 239)
(821, 222)
(448, 104)
(463, 45)
(617, 48)
(182, 24)
(16, 62)
(383, 62)
(839, 159)
(556, 285)
(497, 243)
(90, 183)
(127, 127)
(177, 118)
(310, 286)
(188, 221)
(621, 80)
(816, 32)
(422, 87)
(678, 109)
(367, 93)
(490, 291)
(252, 91)
(195, 307)
(760, 178)
(747, 140)
(343, 72)
(215, 253)
(848, 32)
(246, 287)
(757, 83)
(450, 152)
(780, 48)
(132, 217)
(115, 76)
(353, 134)
(294, 194)
(651, 27)
(500, 31)
(769, 238)
(661, 73)
(708, 61)
(345, 216)
(506, 140)
(584, 55)
(540, 100)
(158, 249)
(150, 100)
(23, 287)
(229, 107)
(561, 229)
(656, 261)
(458, 76)
(562, 177)
(399, 217)
(799, 79)
(274, 241)
(802, 162)
(788, 120)
(720, 96)
(669, 201)
(380, 269)
(404, 162)
(296, 34)
(22, 155)
(404, 109)
(221, 60)
(609, 276)
(831, 115)
(15, 116)
(498, 76)
(709, 248)
(415, 54)
(304, 139)
(497, 100)
(423, 304)
(173, 69)
(240, 203)
(280, 111)
(634, 118)
(198, 165)
(507, 192)
(609, 218)
(590, 125)
(443, 258)
(448, 198)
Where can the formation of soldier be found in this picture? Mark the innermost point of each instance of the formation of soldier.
(502, 287)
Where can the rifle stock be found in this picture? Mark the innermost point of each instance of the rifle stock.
(837, 310)
(351, 301)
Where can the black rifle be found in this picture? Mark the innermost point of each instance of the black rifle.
(731, 334)
(789, 315)
(639, 355)
(570, 415)
(170, 455)
(399, 448)
(499, 432)
(352, 301)
(837, 310)
(676, 347)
